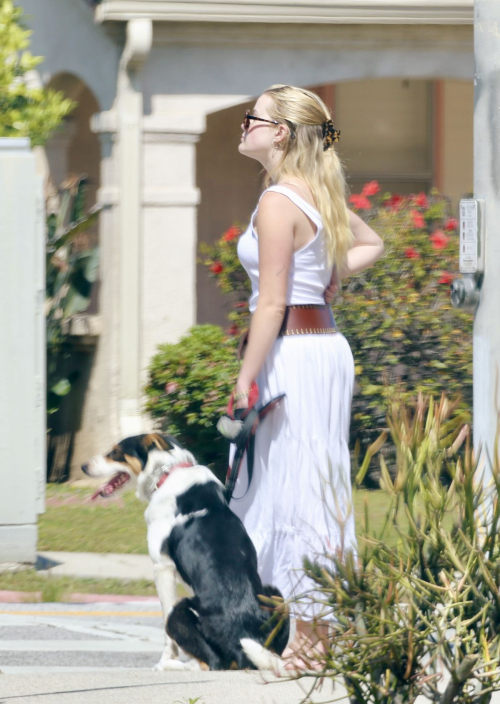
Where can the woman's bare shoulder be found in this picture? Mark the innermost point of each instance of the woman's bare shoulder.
(275, 204)
(301, 188)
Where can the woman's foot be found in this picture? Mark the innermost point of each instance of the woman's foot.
(305, 653)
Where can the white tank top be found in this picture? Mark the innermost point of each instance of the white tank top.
(309, 274)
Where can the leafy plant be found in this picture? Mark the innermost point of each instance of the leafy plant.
(406, 615)
(24, 111)
(189, 384)
(72, 263)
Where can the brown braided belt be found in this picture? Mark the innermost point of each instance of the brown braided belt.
(308, 320)
(300, 320)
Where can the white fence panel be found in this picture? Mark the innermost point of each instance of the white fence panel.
(22, 351)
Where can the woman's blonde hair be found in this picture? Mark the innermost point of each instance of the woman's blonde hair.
(304, 157)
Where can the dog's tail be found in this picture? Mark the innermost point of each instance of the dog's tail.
(262, 658)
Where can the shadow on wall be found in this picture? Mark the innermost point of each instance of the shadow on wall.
(67, 421)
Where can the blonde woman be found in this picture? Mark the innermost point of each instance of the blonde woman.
(301, 241)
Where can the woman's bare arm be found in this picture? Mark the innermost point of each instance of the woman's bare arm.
(275, 225)
(366, 249)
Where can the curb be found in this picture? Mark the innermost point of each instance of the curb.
(11, 597)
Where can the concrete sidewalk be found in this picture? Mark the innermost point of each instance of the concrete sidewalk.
(126, 686)
(96, 565)
(104, 653)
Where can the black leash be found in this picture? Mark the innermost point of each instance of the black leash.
(245, 442)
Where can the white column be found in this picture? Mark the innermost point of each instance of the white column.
(486, 339)
(129, 111)
(170, 202)
(121, 190)
(22, 351)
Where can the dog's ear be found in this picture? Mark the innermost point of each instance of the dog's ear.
(156, 440)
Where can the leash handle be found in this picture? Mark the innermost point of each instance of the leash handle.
(242, 442)
(245, 442)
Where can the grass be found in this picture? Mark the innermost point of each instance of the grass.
(118, 525)
(106, 525)
(55, 589)
(72, 524)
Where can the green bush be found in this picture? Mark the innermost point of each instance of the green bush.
(188, 389)
(397, 315)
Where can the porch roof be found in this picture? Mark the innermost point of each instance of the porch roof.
(291, 11)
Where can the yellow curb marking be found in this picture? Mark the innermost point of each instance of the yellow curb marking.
(83, 613)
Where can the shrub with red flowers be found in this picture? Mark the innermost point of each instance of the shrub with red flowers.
(397, 315)
(222, 261)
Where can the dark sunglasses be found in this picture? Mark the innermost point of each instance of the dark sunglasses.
(248, 117)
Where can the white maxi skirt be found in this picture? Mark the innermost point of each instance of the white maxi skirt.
(299, 502)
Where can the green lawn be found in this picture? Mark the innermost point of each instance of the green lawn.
(73, 524)
(117, 525)
(57, 588)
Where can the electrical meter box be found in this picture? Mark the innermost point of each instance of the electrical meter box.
(471, 256)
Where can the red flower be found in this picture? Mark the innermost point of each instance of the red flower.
(216, 268)
(394, 202)
(233, 330)
(451, 225)
(411, 253)
(369, 189)
(418, 219)
(231, 234)
(439, 239)
(360, 202)
(421, 200)
(241, 304)
(171, 387)
(445, 278)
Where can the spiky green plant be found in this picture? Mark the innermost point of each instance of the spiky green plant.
(421, 617)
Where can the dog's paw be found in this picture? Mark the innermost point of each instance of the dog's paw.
(169, 664)
(166, 664)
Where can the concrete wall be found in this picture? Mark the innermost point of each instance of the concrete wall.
(456, 135)
(234, 59)
(229, 185)
(65, 34)
(22, 352)
(391, 139)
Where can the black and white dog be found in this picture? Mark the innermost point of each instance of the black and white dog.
(191, 530)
